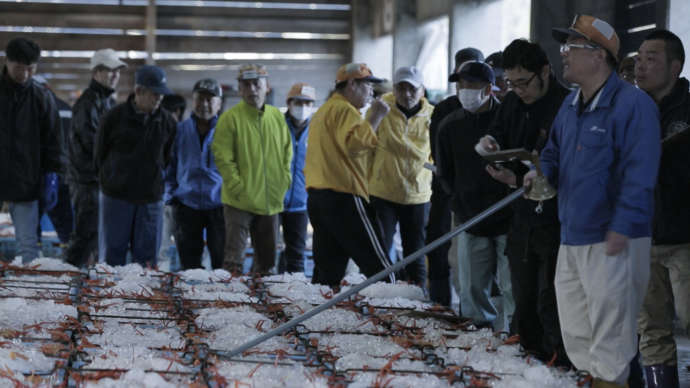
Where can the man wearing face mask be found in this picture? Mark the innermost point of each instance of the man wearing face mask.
(439, 222)
(192, 181)
(87, 112)
(399, 185)
(481, 248)
(336, 169)
(523, 121)
(133, 146)
(29, 146)
(294, 219)
(253, 151)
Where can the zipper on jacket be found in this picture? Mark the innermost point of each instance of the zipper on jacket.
(263, 156)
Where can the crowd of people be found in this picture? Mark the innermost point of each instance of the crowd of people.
(580, 276)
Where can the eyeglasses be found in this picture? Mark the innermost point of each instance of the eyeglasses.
(566, 47)
(519, 84)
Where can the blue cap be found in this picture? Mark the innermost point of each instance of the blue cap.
(474, 71)
(152, 77)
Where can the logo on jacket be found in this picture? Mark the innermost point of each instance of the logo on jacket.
(597, 129)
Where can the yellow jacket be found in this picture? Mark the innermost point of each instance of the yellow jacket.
(338, 144)
(397, 169)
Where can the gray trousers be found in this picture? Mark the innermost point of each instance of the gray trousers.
(599, 298)
(239, 225)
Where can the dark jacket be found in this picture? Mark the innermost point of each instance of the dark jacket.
(296, 195)
(132, 151)
(518, 125)
(441, 111)
(29, 138)
(463, 170)
(86, 117)
(672, 194)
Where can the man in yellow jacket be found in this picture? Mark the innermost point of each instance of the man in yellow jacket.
(336, 172)
(253, 151)
(399, 185)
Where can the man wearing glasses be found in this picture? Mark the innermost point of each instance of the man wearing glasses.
(523, 121)
(603, 155)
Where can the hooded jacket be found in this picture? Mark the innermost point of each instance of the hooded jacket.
(132, 152)
(192, 176)
(296, 195)
(397, 168)
(604, 162)
(672, 194)
(253, 151)
(29, 138)
(86, 117)
(463, 171)
(340, 141)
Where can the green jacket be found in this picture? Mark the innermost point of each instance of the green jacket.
(253, 152)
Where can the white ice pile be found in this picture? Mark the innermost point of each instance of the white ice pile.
(269, 376)
(286, 278)
(117, 306)
(481, 338)
(341, 320)
(202, 275)
(125, 271)
(298, 290)
(17, 312)
(344, 344)
(117, 335)
(48, 264)
(199, 293)
(363, 361)
(538, 376)
(366, 380)
(25, 359)
(195, 290)
(135, 378)
(400, 295)
(215, 319)
(130, 280)
(133, 357)
(229, 337)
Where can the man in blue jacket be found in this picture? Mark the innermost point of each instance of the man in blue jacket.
(193, 182)
(602, 155)
(294, 218)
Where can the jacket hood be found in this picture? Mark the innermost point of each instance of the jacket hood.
(426, 109)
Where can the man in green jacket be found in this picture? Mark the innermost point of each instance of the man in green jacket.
(253, 152)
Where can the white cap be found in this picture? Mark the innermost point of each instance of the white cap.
(410, 75)
(106, 57)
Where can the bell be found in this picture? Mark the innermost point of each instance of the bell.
(541, 190)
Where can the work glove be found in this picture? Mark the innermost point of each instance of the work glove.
(50, 191)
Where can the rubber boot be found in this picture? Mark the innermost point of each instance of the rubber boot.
(662, 376)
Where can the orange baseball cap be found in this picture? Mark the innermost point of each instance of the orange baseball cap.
(302, 91)
(355, 71)
(595, 30)
(252, 72)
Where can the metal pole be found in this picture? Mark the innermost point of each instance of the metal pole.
(397, 266)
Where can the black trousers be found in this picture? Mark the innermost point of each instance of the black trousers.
(412, 219)
(295, 237)
(189, 235)
(344, 227)
(533, 269)
(439, 223)
(83, 242)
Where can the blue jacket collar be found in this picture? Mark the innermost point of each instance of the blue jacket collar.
(604, 95)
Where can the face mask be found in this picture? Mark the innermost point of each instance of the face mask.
(472, 99)
(300, 113)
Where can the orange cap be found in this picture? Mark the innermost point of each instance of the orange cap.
(302, 91)
(355, 71)
(593, 29)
